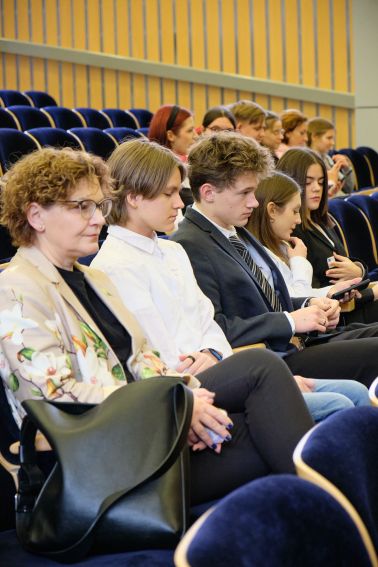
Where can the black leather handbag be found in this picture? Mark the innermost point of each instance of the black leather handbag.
(120, 480)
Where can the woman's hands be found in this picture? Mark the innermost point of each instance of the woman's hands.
(304, 384)
(196, 362)
(297, 248)
(342, 268)
(354, 294)
(206, 415)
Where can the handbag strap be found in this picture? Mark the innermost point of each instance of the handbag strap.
(31, 477)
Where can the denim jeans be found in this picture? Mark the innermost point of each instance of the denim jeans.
(330, 396)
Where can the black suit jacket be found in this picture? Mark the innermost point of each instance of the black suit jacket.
(240, 307)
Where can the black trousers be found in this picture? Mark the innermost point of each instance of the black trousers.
(351, 354)
(270, 417)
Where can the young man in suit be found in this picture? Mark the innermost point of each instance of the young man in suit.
(224, 171)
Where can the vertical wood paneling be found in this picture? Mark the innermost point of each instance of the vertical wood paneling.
(277, 39)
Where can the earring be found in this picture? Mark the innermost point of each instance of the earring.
(41, 227)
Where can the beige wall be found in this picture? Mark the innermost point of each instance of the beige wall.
(301, 42)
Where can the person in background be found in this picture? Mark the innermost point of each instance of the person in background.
(273, 133)
(325, 250)
(250, 118)
(218, 119)
(173, 126)
(321, 139)
(294, 125)
(66, 335)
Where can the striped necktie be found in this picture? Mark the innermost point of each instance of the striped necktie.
(267, 289)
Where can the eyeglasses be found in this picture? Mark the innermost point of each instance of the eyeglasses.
(88, 207)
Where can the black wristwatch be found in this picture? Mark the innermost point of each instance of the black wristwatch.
(215, 353)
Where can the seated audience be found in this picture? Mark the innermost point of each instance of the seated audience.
(294, 125)
(66, 335)
(173, 126)
(273, 133)
(250, 118)
(224, 171)
(156, 282)
(218, 119)
(321, 139)
(317, 232)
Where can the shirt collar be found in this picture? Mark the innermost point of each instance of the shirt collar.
(149, 245)
(225, 231)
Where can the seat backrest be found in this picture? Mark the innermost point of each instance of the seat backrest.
(368, 207)
(359, 239)
(94, 118)
(341, 456)
(7, 120)
(143, 130)
(62, 117)
(13, 145)
(40, 98)
(279, 520)
(11, 97)
(95, 141)
(360, 167)
(54, 137)
(143, 116)
(371, 156)
(122, 134)
(29, 117)
(120, 117)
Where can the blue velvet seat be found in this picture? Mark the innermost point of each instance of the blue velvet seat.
(120, 117)
(7, 120)
(360, 167)
(40, 98)
(122, 134)
(143, 130)
(29, 117)
(341, 456)
(95, 141)
(55, 137)
(10, 97)
(356, 234)
(276, 521)
(371, 157)
(143, 116)
(369, 208)
(94, 118)
(13, 145)
(62, 117)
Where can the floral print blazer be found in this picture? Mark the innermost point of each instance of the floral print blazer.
(49, 345)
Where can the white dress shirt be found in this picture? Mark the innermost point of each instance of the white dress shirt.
(155, 280)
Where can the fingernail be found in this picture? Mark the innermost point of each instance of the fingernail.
(228, 438)
(214, 446)
(229, 426)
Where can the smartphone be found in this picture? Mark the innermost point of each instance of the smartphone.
(344, 173)
(359, 286)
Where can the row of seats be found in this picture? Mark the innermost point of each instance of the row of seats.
(364, 161)
(356, 219)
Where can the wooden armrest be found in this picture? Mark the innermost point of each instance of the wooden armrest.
(11, 468)
(348, 306)
(245, 347)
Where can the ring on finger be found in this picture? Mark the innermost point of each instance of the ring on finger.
(191, 358)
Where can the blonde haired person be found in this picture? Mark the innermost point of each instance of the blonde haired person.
(250, 118)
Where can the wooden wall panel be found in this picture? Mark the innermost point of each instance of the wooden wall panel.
(296, 41)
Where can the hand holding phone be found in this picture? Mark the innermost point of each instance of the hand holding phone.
(359, 286)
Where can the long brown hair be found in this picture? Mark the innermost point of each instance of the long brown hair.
(278, 189)
(296, 163)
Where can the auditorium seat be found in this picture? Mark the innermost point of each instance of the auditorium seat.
(95, 141)
(371, 157)
(12, 97)
(62, 117)
(340, 455)
(360, 167)
(94, 118)
(122, 134)
(143, 130)
(13, 145)
(120, 117)
(275, 521)
(29, 117)
(7, 120)
(355, 233)
(142, 115)
(369, 208)
(54, 137)
(40, 98)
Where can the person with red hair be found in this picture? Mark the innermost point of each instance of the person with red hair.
(173, 126)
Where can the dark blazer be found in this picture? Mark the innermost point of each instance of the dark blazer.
(319, 249)
(240, 307)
